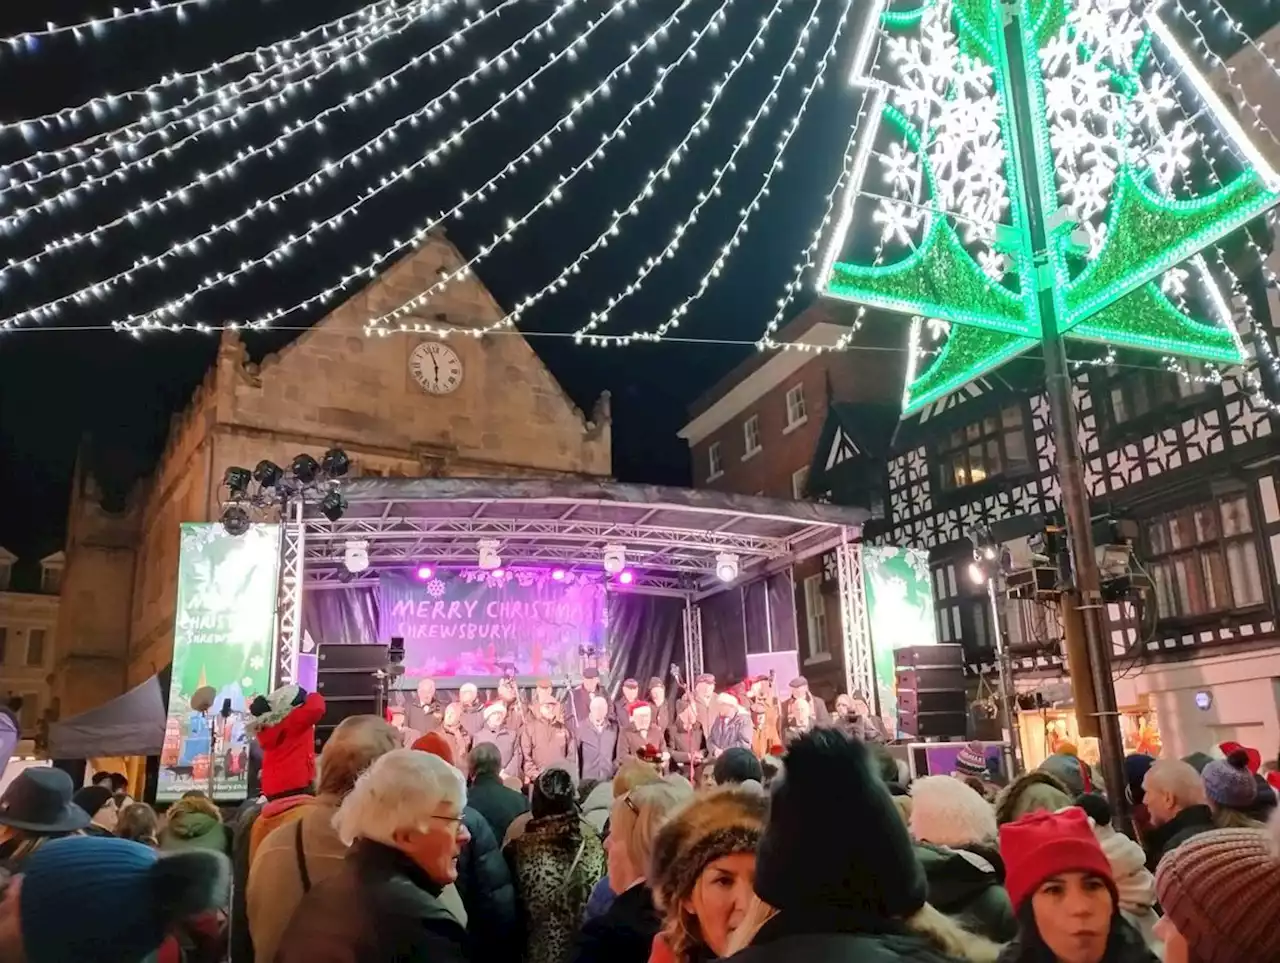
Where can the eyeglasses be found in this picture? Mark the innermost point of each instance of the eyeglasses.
(456, 820)
(631, 804)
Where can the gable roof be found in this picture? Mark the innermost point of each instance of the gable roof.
(6, 556)
(853, 430)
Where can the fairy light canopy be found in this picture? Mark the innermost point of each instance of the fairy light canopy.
(1142, 166)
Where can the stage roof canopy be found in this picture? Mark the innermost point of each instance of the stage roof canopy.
(671, 536)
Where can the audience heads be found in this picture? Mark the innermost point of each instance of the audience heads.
(437, 745)
(553, 793)
(1095, 807)
(737, 765)
(139, 822)
(1169, 787)
(631, 774)
(485, 760)
(354, 745)
(634, 822)
(97, 801)
(599, 709)
(1229, 784)
(946, 812)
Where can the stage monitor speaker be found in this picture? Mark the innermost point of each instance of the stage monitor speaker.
(933, 725)
(921, 680)
(925, 701)
(929, 656)
(337, 657)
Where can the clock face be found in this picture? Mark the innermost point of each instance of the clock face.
(436, 367)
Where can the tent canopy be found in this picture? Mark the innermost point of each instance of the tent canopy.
(129, 725)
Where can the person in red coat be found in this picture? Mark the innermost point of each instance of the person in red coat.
(285, 725)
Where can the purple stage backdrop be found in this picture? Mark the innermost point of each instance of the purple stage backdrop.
(473, 623)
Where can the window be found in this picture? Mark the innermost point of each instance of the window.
(797, 414)
(815, 616)
(994, 446)
(51, 580)
(1204, 559)
(35, 647)
(5, 569)
(751, 436)
(799, 482)
(1143, 392)
(715, 468)
(29, 714)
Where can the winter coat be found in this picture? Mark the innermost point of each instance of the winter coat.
(241, 949)
(1135, 884)
(379, 906)
(708, 712)
(484, 882)
(423, 718)
(289, 749)
(1030, 792)
(473, 718)
(187, 829)
(837, 938)
(556, 861)
(663, 715)
(498, 804)
(967, 884)
(1126, 947)
(598, 805)
(577, 705)
(727, 733)
(544, 744)
(597, 750)
(766, 727)
(631, 741)
(460, 742)
(620, 713)
(688, 748)
(623, 933)
(508, 748)
(1162, 840)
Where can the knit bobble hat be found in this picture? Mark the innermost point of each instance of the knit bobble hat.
(1228, 782)
(1044, 844)
(101, 900)
(711, 826)
(946, 812)
(972, 761)
(834, 842)
(1221, 889)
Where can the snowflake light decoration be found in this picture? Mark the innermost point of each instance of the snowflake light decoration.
(1105, 84)
(436, 588)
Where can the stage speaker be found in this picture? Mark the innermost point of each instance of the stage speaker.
(932, 702)
(331, 657)
(346, 675)
(949, 677)
(933, 725)
(929, 656)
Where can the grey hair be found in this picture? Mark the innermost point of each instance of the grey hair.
(401, 790)
(1177, 778)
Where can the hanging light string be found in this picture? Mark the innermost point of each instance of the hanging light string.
(556, 194)
(744, 219)
(325, 171)
(181, 193)
(453, 141)
(96, 26)
(195, 114)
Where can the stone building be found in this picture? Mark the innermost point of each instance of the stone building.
(28, 620)
(494, 410)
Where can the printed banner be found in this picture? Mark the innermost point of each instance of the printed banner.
(223, 634)
(472, 622)
(899, 590)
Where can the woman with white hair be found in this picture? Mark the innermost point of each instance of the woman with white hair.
(403, 824)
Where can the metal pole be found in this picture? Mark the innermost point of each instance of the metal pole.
(1075, 499)
(1011, 729)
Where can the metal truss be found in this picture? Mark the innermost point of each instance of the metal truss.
(293, 540)
(647, 583)
(692, 641)
(855, 629)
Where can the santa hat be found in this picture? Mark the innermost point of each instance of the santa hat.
(436, 745)
(491, 707)
(1253, 756)
(633, 707)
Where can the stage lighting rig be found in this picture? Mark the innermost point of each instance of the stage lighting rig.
(333, 506)
(356, 556)
(615, 558)
(235, 520)
(335, 463)
(237, 481)
(305, 469)
(727, 566)
(264, 493)
(268, 474)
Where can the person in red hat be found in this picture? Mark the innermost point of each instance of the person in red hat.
(641, 734)
(1064, 894)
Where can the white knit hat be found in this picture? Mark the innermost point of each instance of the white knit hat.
(946, 812)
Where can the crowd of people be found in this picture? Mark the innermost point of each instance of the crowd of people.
(404, 842)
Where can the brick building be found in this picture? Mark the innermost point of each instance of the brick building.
(28, 619)
(497, 412)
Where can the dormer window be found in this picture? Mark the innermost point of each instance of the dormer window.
(6, 569)
(51, 580)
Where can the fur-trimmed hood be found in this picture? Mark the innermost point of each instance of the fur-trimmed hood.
(282, 701)
(1028, 793)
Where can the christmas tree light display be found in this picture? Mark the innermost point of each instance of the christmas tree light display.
(939, 221)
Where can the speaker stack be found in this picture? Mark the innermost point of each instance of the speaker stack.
(932, 703)
(347, 677)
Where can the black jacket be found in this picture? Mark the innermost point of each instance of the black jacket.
(498, 804)
(379, 906)
(484, 883)
(423, 719)
(967, 885)
(598, 749)
(1162, 840)
(241, 945)
(622, 934)
(841, 938)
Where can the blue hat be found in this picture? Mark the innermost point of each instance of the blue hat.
(121, 896)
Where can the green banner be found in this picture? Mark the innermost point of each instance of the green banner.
(899, 590)
(223, 636)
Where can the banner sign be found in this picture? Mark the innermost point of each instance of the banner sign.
(224, 630)
(899, 598)
(473, 622)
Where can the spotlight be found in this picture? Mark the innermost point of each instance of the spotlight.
(727, 566)
(489, 557)
(356, 558)
(977, 574)
(425, 572)
(305, 468)
(498, 572)
(626, 576)
(333, 505)
(235, 520)
(335, 463)
(268, 474)
(558, 574)
(615, 559)
(237, 480)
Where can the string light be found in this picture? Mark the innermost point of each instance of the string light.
(444, 146)
(125, 142)
(556, 194)
(180, 194)
(735, 239)
(96, 26)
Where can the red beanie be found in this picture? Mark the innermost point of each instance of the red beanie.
(638, 704)
(1254, 756)
(1043, 844)
(437, 745)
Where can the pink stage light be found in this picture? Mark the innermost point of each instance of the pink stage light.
(498, 573)
(626, 576)
(425, 572)
(558, 574)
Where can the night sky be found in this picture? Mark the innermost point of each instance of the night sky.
(74, 378)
